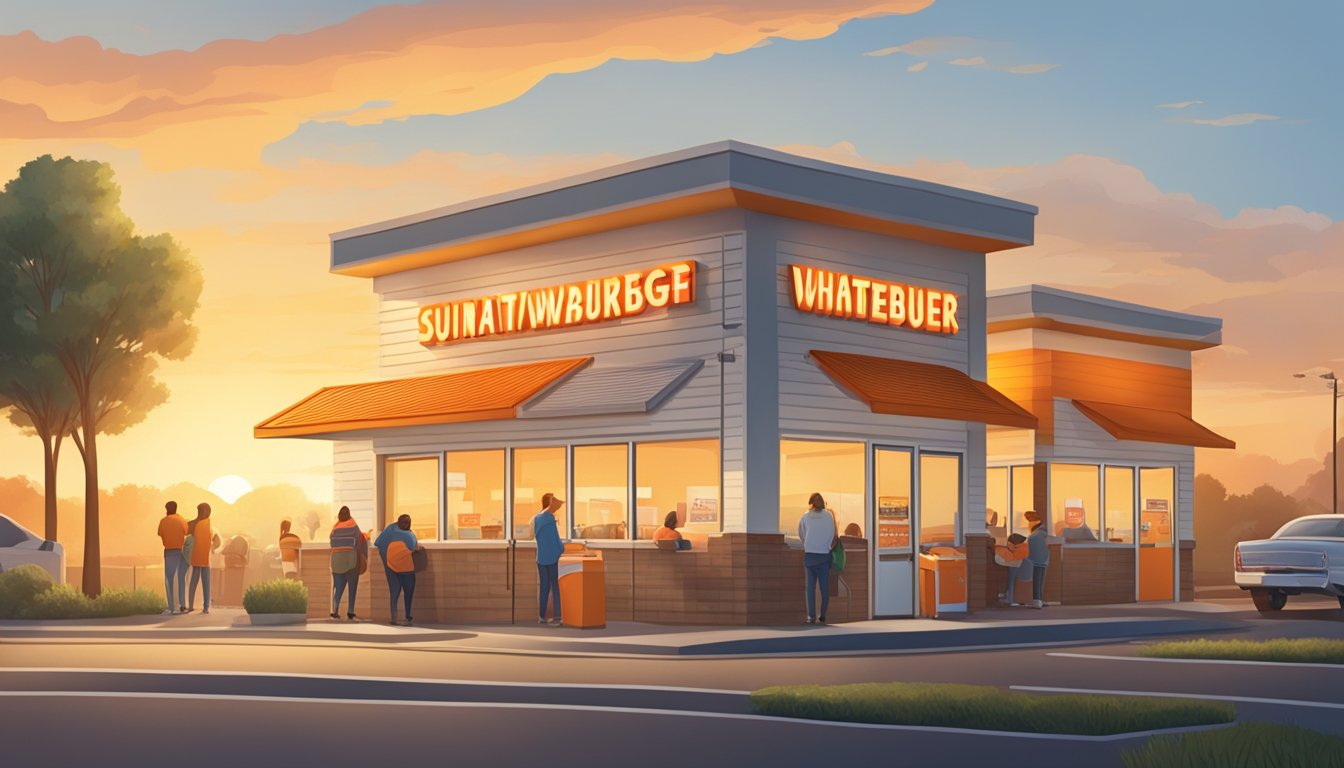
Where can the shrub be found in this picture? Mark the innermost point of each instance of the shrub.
(19, 587)
(1245, 746)
(120, 602)
(277, 596)
(1302, 650)
(62, 601)
(985, 707)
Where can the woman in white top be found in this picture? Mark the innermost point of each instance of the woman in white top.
(817, 530)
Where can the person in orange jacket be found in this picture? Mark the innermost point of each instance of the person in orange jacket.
(204, 541)
(397, 544)
(173, 533)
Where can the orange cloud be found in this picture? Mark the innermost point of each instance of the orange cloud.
(219, 105)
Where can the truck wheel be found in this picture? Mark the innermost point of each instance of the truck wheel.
(1267, 600)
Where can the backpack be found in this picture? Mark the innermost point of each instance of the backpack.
(188, 544)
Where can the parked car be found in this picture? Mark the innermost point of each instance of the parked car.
(1305, 556)
(18, 545)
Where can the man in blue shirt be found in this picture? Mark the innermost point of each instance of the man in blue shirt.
(546, 533)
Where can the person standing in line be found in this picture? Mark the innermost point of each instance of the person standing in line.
(348, 545)
(173, 533)
(290, 544)
(205, 541)
(395, 544)
(816, 529)
(546, 532)
(1038, 552)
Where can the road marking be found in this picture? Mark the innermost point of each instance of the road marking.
(1247, 663)
(788, 721)
(1166, 695)
(367, 679)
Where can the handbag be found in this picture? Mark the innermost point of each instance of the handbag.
(838, 557)
(837, 551)
(419, 559)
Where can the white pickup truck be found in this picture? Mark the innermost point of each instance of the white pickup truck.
(1305, 556)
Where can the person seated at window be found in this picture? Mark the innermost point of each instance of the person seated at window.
(854, 530)
(670, 533)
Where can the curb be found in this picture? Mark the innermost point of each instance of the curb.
(816, 644)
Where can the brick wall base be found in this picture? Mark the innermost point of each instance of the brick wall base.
(738, 579)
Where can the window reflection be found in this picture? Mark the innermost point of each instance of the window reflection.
(601, 491)
(677, 476)
(474, 490)
(537, 471)
(412, 488)
(939, 498)
(835, 470)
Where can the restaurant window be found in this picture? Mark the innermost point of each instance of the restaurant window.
(1157, 497)
(835, 470)
(601, 491)
(1075, 508)
(411, 487)
(678, 476)
(1120, 505)
(537, 471)
(474, 487)
(1024, 497)
(939, 498)
(998, 507)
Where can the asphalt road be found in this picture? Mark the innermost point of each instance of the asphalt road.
(203, 734)
(521, 709)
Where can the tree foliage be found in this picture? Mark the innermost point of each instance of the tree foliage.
(116, 303)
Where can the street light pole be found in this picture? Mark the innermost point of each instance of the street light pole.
(1334, 439)
(1330, 377)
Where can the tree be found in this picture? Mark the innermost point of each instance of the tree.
(311, 521)
(35, 248)
(123, 301)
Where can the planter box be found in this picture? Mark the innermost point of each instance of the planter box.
(274, 619)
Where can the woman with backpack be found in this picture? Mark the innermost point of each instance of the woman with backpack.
(349, 557)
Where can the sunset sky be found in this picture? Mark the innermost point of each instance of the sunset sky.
(1184, 155)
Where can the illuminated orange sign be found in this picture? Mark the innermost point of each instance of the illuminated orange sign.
(558, 306)
(836, 294)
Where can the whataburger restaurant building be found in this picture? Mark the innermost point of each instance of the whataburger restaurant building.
(720, 332)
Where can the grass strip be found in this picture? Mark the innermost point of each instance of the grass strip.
(1308, 650)
(1251, 745)
(985, 707)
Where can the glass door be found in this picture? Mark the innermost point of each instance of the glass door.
(1157, 533)
(894, 527)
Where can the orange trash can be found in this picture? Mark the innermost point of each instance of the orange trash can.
(583, 588)
(942, 581)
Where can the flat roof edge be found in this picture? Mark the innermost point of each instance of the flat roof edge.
(1087, 298)
(679, 156)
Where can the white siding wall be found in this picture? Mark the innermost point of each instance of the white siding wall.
(1007, 445)
(355, 480)
(811, 404)
(700, 331)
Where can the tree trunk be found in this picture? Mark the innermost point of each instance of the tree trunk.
(93, 565)
(51, 455)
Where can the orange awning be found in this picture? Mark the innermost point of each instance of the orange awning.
(1130, 422)
(481, 395)
(906, 388)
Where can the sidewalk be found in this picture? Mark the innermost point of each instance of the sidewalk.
(1005, 627)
